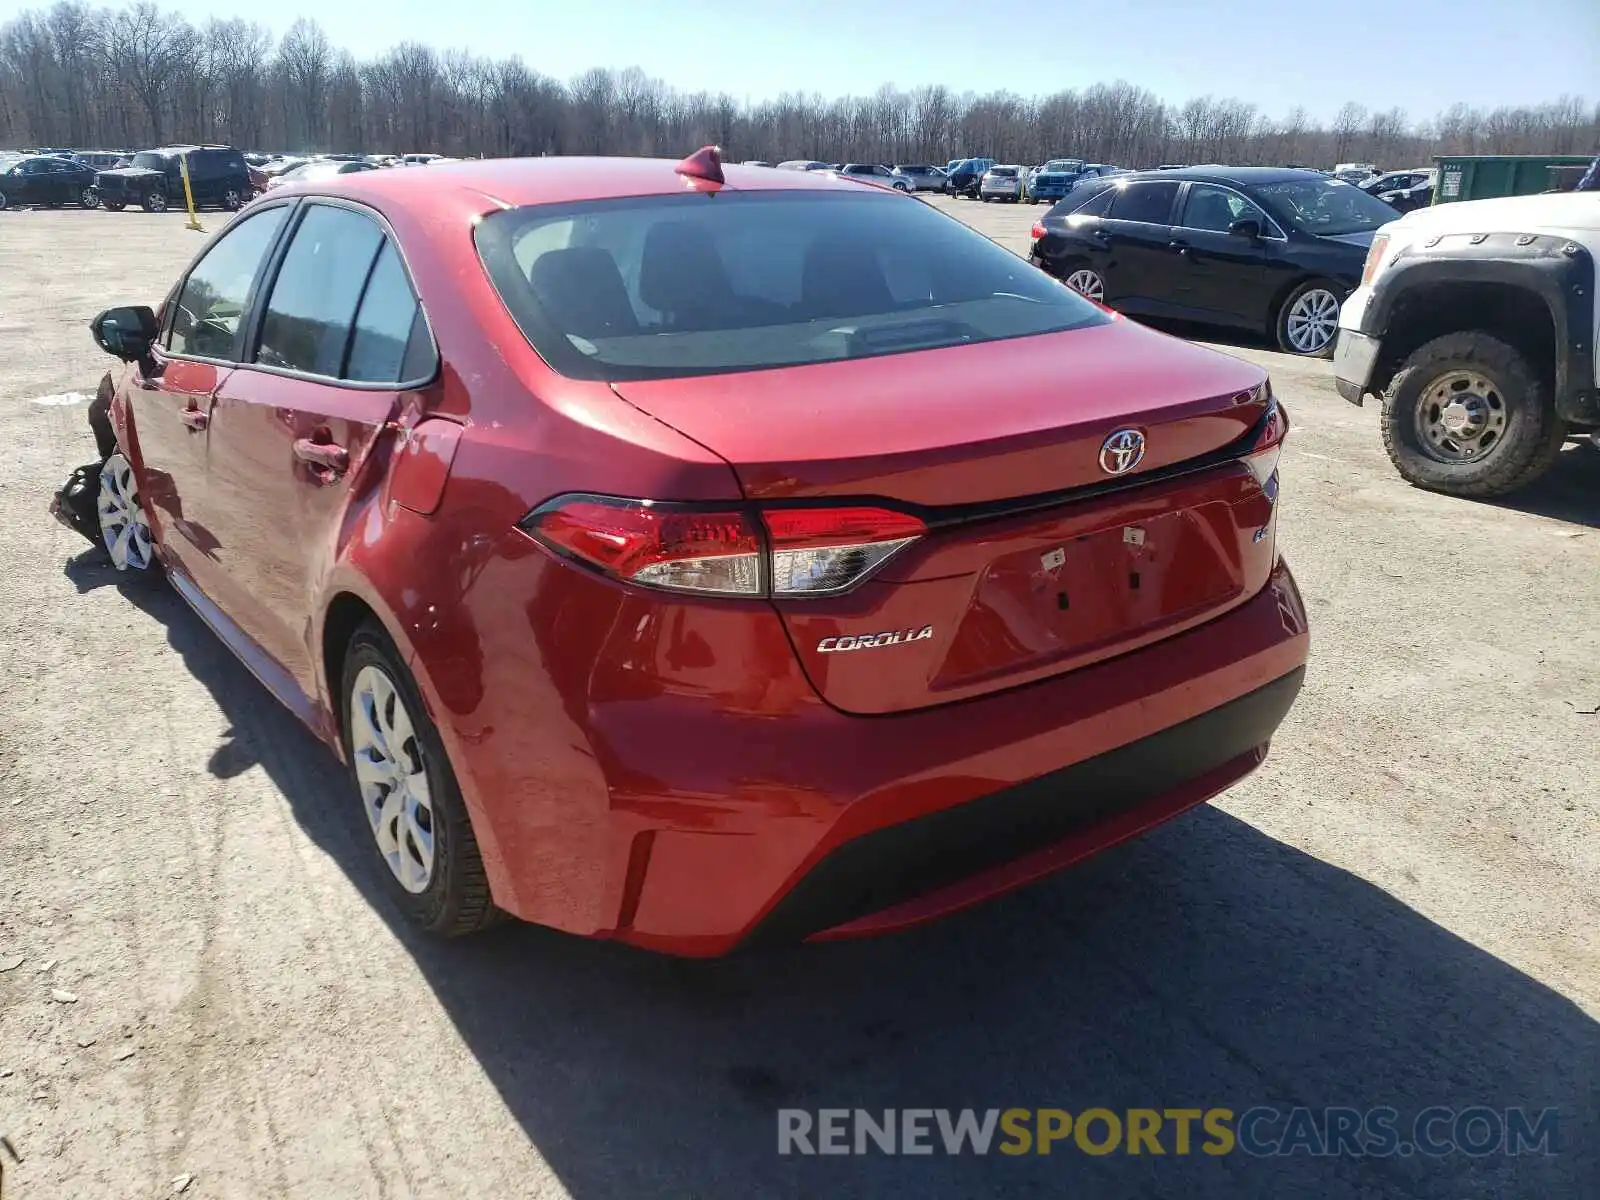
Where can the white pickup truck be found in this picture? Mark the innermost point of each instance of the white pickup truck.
(1476, 324)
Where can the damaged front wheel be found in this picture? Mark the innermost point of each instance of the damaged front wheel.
(124, 528)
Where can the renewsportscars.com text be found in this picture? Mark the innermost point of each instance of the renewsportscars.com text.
(1259, 1131)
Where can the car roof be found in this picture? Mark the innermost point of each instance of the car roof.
(1243, 176)
(513, 182)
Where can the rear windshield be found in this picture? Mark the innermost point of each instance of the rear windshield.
(1003, 172)
(705, 283)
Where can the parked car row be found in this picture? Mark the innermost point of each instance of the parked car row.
(219, 176)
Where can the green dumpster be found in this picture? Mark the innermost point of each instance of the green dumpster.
(1481, 176)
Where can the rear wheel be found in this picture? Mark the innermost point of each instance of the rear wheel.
(88, 198)
(232, 199)
(4, 202)
(1308, 321)
(1466, 415)
(409, 793)
(1086, 281)
(155, 202)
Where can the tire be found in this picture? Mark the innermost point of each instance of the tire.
(4, 202)
(1306, 325)
(88, 198)
(1530, 434)
(453, 898)
(154, 202)
(113, 205)
(124, 526)
(232, 200)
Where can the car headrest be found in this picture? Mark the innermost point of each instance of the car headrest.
(582, 290)
(680, 271)
(843, 278)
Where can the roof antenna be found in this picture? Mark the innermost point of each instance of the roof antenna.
(705, 163)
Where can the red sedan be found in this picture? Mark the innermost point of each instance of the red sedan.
(700, 559)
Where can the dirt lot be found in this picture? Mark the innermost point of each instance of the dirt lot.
(1401, 908)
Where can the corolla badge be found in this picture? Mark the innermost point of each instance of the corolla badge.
(1122, 451)
(874, 641)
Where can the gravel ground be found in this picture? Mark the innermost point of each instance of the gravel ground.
(1399, 909)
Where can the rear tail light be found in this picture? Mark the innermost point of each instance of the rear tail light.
(1262, 457)
(684, 548)
(1038, 230)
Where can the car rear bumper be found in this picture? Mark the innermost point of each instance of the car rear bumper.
(885, 822)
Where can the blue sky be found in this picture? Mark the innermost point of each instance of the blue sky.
(1422, 55)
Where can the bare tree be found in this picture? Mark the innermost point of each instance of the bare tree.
(134, 76)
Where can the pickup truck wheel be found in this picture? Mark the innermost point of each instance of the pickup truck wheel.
(1466, 415)
(155, 202)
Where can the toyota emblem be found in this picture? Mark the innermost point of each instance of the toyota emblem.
(1121, 452)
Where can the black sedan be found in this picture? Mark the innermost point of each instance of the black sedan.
(40, 179)
(1261, 248)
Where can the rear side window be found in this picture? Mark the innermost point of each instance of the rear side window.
(694, 284)
(212, 302)
(314, 299)
(1149, 202)
(390, 343)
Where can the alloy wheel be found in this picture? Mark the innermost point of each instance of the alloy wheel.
(157, 202)
(89, 198)
(1461, 417)
(1313, 321)
(230, 200)
(387, 756)
(1088, 283)
(123, 525)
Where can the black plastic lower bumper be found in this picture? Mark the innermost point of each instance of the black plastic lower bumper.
(902, 862)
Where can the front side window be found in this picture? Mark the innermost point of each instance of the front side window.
(1215, 209)
(153, 162)
(1148, 202)
(313, 303)
(212, 301)
(663, 286)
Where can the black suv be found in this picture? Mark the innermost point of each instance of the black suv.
(217, 175)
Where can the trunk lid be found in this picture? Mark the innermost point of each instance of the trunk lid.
(1037, 559)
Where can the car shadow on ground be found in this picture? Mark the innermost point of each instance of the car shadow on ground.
(1569, 492)
(1205, 966)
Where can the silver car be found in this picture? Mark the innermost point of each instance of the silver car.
(924, 177)
(1001, 183)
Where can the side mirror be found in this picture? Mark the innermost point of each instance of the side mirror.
(127, 333)
(1245, 227)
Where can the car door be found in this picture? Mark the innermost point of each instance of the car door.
(1219, 276)
(171, 395)
(1135, 236)
(340, 338)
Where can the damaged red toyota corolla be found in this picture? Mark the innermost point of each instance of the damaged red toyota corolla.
(700, 561)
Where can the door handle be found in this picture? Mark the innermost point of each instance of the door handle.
(196, 418)
(326, 455)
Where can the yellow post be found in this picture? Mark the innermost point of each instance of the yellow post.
(188, 192)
